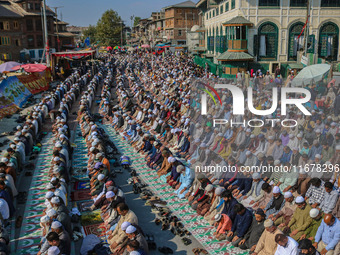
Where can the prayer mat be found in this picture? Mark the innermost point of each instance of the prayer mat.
(90, 218)
(81, 185)
(96, 229)
(80, 159)
(79, 195)
(193, 222)
(30, 232)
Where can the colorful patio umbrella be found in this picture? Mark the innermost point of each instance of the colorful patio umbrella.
(109, 48)
(117, 48)
(7, 67)
(145, 46)
(31, 68)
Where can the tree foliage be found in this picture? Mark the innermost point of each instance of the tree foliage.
(90, 32)
(107, 31)
(136, 21)
(109, 28)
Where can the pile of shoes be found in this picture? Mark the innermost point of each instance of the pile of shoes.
(199, 251)
(146, 194)
(21, 119)
(77, 234)
(168, 221)
(137, 186)
(165, 250)
(151, 241)
(177, 227)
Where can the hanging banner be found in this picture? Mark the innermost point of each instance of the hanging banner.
(7, 107)
(14, 90)
(35, 82)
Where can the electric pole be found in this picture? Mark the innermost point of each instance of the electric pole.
(57, 28)
(305, 41)
(132, 17)
(46, 35)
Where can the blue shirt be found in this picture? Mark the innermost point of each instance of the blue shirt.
(330, 235)
(228, 208)
(187, 179)
(242, 223)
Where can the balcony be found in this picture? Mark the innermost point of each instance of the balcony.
(235, 44)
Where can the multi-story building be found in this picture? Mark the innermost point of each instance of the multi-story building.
(179, 19)
(155, 28)
(77, 32)
(254, 33)
(63, 38)
(141, 33)
(21, 28)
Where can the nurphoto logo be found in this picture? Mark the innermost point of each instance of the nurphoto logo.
(238, 104)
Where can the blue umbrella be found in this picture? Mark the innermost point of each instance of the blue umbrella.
(7, 67)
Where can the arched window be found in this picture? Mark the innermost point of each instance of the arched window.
(328, 41)
(295, 42)
(217, 39)
(268, 41)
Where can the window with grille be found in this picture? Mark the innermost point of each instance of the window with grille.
(227, 6)
(269, 2)
(5, 40)
(232, 4)
(16, 24)
(6, 25)
(17, 42)
(330, 3)
(268, 43)
(221, 9)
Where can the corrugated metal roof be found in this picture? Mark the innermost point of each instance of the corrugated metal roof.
(238, 20)
(65, 34)
(295, 66)
(8, 9)
(199, 49)
(14, 10)
(186, 4)
(234, 56)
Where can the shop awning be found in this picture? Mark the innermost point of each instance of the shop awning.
(71, 54)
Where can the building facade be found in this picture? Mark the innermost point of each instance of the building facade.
(21, 28)
(179, 19)
(63, 39)
(275, 33)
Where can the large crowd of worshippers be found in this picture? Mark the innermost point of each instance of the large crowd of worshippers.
(157, 110)
(281, 212)
(56, 222)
